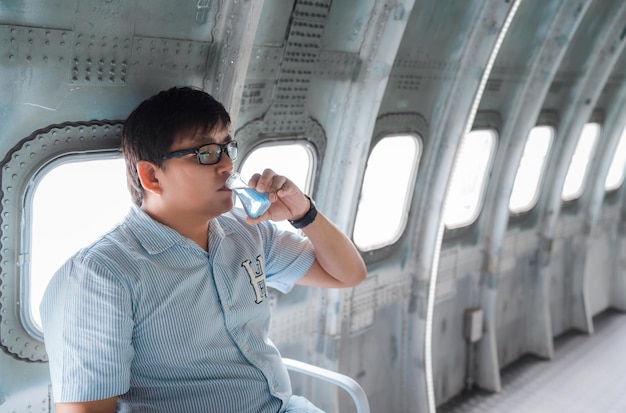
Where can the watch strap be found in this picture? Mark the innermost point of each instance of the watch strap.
(307, 218)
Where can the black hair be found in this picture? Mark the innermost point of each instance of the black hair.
(155, 124)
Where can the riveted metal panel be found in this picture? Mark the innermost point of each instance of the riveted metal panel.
(312, 9)
(265, 62)
(362, 305)
(102, 41)
(100, 59)
(159, 58)
(336, 65)
(25, 46)
(32, 59)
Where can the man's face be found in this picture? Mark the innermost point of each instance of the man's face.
(194, 189)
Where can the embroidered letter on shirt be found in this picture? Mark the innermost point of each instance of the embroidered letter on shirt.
(257, 278)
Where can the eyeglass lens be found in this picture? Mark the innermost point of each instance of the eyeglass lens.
(212, 153)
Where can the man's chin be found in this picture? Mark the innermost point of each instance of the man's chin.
(226, 207)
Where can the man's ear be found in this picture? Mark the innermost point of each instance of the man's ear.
(148, 176)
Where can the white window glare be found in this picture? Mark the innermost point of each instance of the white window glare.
(617, 170)
(294, 159)
(72, 205)
(466, 187)
(531, 167)
(577, 171)
(386, 192)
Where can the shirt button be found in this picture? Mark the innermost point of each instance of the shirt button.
(226, 307)
(245, 349)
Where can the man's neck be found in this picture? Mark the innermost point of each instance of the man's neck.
(189, 226)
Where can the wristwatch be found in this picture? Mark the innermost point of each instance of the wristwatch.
(307, 218)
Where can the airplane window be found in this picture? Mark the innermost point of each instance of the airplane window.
(531, 167)
(467, 183)
(73, 203)
(386, 192)
(575, 177)
(295, 160)
(617, 170)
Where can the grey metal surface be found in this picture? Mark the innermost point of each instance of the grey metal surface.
(587, 375)
(342, 75)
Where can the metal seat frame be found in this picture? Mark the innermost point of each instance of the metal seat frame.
(345, 382)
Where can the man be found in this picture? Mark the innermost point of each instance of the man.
(168, 312)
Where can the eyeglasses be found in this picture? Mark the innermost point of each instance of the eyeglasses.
(208, 154)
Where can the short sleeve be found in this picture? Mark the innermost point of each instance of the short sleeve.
(288, 258)
(87, 322)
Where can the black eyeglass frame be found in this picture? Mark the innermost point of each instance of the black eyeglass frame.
(224, 148)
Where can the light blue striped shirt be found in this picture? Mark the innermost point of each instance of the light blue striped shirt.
(147, 315)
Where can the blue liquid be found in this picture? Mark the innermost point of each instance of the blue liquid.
(254, 203)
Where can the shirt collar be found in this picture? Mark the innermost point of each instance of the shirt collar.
(155, 237)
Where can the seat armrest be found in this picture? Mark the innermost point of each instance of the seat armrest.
(345, 382)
